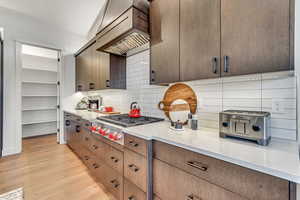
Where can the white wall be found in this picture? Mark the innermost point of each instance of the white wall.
(297, 66)
(18, 27)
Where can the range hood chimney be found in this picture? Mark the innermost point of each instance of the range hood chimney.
(125, 26)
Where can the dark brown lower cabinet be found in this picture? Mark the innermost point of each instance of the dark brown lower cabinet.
(195, 171)
(132, 192)
(171, 183)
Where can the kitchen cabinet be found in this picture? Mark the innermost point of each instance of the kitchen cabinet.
(255, 36)
(83, 66)
(164, 29)
(97, 70)
(195, 170)
(199, 39)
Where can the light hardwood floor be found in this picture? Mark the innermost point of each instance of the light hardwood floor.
(48, 171)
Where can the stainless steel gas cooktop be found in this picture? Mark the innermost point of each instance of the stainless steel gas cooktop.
(126, 121)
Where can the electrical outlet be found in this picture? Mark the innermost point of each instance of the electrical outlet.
(277, 107)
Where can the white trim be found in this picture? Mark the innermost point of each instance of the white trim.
(19, 96)
(18, 110)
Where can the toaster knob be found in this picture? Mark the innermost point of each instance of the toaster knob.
(225, 124)
(256, 128)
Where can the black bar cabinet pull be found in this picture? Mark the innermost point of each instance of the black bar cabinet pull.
(215, 65)
(226, 64)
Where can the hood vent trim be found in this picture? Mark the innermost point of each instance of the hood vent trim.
(128, 31)
(132, 41)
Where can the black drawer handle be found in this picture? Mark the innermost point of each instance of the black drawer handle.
(92, 86)
(115, 183)
(133, 167)
(79, 87)
(132, 143)
(77, 128)
(114, 159)
(197, 165)
(193, 197)
(131, 198)
(152, 76)
(86, 158)
(107, 83)
(95, 147)
(96, 166)
(68, 123)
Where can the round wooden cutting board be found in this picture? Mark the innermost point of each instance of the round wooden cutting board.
(175, 92)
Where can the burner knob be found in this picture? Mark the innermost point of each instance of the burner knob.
(118, 136)
(225, 124)
(256, 128)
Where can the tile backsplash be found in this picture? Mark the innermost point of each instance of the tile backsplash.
(272, 92)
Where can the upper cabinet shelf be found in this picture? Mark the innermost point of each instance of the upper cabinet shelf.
(199, 39)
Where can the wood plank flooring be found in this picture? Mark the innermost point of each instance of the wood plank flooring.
(48, 171)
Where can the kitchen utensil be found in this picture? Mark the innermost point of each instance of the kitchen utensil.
(135, 110)
(179, 111)
(178, 91)
(109, 109)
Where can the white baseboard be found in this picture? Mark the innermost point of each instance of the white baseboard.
(9, 152)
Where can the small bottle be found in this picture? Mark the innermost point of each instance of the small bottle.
(190, 120)
(194, 122)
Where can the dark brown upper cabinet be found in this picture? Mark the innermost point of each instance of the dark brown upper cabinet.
(164, 29)
(199, 39)
(255, 36)
(97, 70)
(83, 66)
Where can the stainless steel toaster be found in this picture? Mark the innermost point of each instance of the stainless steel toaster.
(250, 125)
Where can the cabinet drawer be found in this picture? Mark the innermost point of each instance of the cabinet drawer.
(136, 144)
(185, 186)
(114, 158)
(110, 179)
(135, 169)
(86, 139)
(248, 183)
(132, 192)
(97, 147)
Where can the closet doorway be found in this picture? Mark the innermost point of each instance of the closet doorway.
(40, 91)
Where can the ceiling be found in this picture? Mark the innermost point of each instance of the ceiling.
(76, 16)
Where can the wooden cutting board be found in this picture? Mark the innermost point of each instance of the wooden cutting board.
(175, 92)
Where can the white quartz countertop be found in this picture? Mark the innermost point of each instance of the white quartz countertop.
(280, 158)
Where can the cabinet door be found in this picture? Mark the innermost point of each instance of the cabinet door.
(164, 28)
(255, 36)
(102, 70)
(117, 72)
(83, 69)
(199, 39)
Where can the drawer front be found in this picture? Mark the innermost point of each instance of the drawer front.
(248, 183)
(86, 139)
(97, 147)
(114, 158)
(136, 144)
(185, 186)
(132, 192)
(135, 169)
(110, 178)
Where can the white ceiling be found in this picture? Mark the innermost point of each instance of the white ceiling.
(76, 16)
